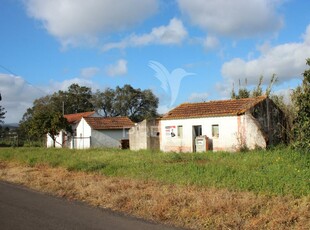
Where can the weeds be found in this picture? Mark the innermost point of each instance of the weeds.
(193, 207)
(273, 172)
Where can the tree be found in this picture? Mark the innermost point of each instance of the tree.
(75, 100)
(301, 99)
(137, 104)
(2, 111)
(78, 99)
(43, 119)
(258, 91)
(273, 80)
(243, 92)
(104, 102)
(48, 122)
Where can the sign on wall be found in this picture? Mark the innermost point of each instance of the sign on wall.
(170, 131)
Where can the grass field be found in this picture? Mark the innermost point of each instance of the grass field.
(274, 172)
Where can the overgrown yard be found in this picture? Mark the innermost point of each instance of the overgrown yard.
(259, 189)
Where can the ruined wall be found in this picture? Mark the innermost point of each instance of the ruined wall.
(271, 120)
(144, 135)
(254, 136)
(138, 136)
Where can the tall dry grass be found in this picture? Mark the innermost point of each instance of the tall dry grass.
(185, 206)
(274, 172)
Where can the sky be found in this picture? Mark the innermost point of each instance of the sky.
(183, 50)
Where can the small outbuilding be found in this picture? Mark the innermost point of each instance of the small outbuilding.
(92, 132)
(64, 139)
(227, 125)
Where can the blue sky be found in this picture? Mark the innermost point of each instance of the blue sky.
(46, 45)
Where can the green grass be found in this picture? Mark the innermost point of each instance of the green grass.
(273, 172)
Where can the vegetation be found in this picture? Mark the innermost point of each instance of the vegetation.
(191, 207)
(43, 118)
(46, 114)
(301, 98)
(2, 111)
(297, 112)
(126, 101)
(49, 122)
(243, 92)
(274, 172)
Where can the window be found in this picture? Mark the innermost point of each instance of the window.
(197, 130)
(215, 131)
(180, 131)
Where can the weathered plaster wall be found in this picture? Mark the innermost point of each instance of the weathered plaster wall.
(227, 140)
(271, 120)
(251, 133)
(108, 138)
(144, 135)
(138, 136)
(235, 132)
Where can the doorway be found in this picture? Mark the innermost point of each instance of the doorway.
(197, 131)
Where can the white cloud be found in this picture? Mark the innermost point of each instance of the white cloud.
(72, 20)
(211, 43)
(287, 61)
(55, 86)
(173, 33)
(17, 96)
(89, 72)
(238, 18)
(117, 69)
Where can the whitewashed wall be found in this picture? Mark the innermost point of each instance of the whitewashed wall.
(234, 131)
(58, 143)
(108, 138)
(83, 131)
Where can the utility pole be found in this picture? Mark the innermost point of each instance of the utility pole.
(63, 108)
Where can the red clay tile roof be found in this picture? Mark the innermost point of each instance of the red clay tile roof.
(106, 123)
(73, 118)
(213, 108)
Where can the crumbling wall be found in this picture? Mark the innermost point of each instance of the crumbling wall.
(144, 135)
(272, 121)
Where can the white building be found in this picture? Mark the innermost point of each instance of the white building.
(229, 125)
(101, 132)
(64, 138)
(92, 130)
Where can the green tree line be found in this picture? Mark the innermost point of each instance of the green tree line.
(46, 114)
